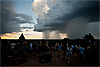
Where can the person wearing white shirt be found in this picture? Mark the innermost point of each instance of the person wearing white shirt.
(69, 54)
(72, 46)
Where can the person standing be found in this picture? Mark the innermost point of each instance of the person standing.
(31, 49)
(69, 54)
(55, 46)
(81, 49)
(59, 47)
(34, 46)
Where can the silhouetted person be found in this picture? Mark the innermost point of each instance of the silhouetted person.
(64, 46)
(31, 49)
(34, 46)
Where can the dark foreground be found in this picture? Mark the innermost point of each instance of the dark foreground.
(59, 61)
(21, 55)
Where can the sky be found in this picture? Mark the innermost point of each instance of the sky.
(23, 10)
(49, 19)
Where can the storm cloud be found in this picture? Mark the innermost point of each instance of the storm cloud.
(74, 18)
(10, 19)
(26, 27)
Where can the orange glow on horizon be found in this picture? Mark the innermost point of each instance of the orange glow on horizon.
(29, 35)
(15, 35)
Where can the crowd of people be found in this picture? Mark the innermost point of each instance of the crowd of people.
(89, 53)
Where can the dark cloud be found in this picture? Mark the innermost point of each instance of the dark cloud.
(26, 27)
(27, 30)
(10, 19)
(72, 17)
(87, 9)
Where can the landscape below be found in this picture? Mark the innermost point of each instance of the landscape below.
(50, 52)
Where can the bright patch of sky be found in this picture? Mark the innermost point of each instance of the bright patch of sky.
(24, 7)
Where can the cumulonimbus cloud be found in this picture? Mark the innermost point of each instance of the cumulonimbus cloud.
(72, 17)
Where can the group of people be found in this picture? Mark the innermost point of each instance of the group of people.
(89, 53)
(42, 50)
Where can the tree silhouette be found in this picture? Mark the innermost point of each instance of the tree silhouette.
(88, 37)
